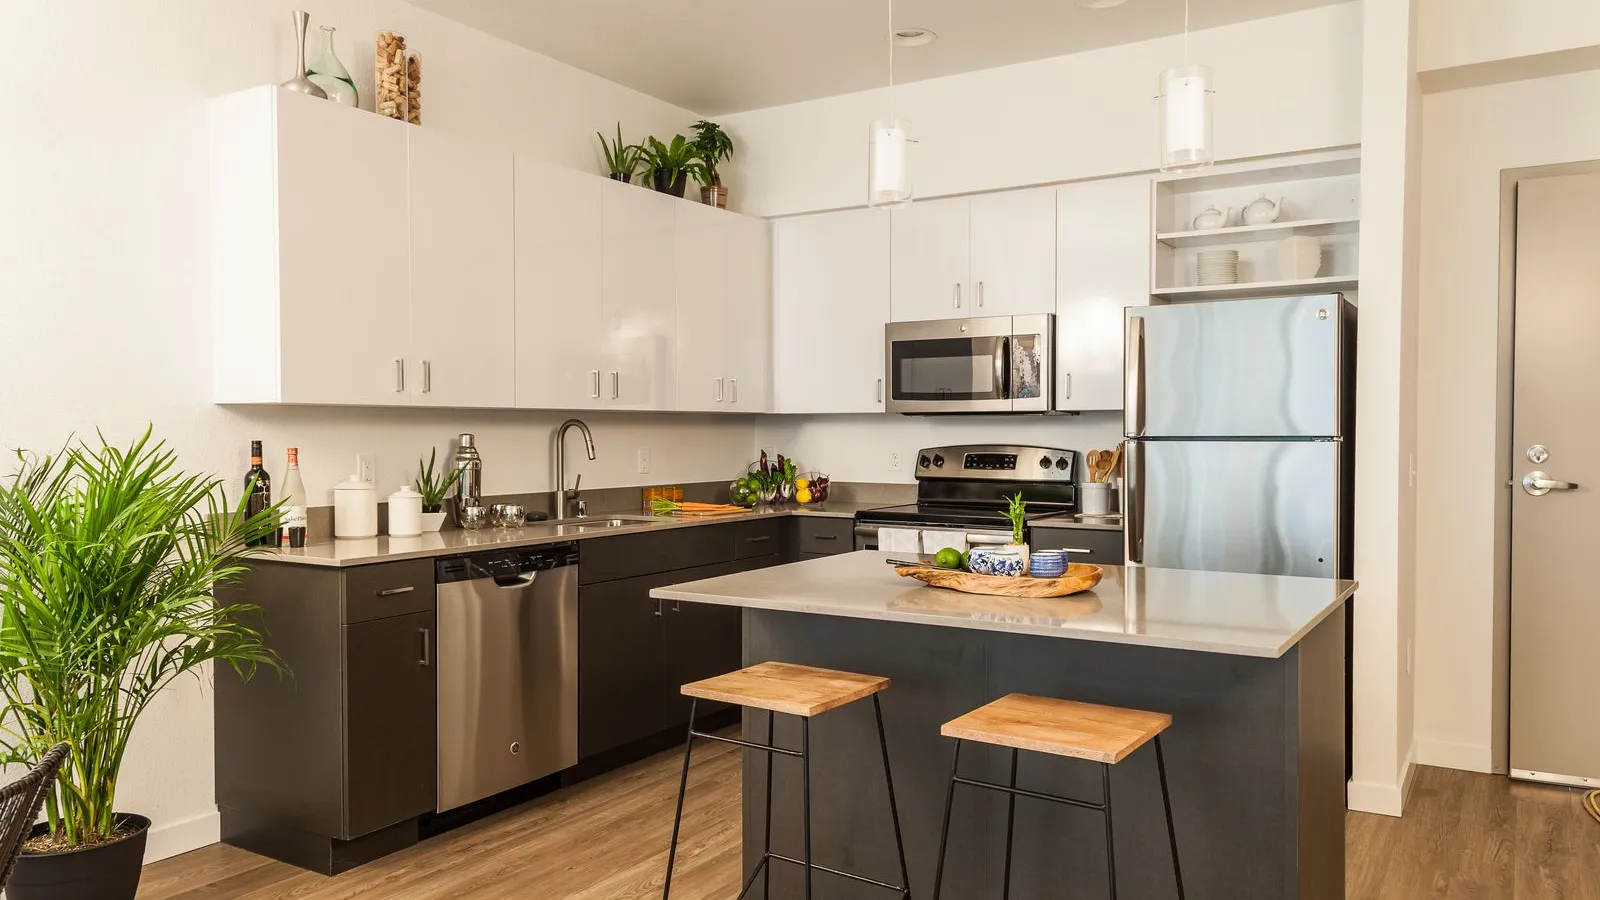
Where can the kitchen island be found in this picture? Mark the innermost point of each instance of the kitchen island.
(1251, 667)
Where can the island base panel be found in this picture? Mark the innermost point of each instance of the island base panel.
(1255, 758)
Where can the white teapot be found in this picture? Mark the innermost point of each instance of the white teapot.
(1262, 211)
(1211, 218)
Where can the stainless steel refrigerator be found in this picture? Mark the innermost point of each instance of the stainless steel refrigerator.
(1240, 417)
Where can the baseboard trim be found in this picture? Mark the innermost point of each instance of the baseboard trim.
(173, 838)
(1452, 755)
(1408, 776)
(1372, 797)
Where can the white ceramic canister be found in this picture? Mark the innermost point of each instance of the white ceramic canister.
(355, 509)
(405, 512)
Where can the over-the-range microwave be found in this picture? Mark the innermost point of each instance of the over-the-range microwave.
(995, 364)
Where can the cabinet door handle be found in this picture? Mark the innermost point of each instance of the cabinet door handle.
(733, 390)
(880, 390)
(427, 376)
(980, 293)
(824, 537)
(1066, 385)
(399, 376)
(390, 592)
(616, 385)
(426, 639)
(595, 374)
(958, 295)
(717, 395)
(658, 606)
(677, 606)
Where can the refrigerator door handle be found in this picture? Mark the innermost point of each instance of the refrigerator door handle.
(1133, 515)
(1133, 378)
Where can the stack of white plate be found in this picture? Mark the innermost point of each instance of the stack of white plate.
(1217, 267)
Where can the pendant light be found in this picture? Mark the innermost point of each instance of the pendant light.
(889, 149)
(1185, 104)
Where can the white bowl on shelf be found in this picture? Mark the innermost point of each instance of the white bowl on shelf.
(1299, 257)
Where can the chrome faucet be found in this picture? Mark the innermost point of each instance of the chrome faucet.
(564, 504)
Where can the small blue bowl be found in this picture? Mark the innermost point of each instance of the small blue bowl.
(1048, 563)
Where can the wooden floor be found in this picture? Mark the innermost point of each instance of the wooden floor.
(1463, 836)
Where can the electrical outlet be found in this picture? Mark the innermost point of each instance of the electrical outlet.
(894, 461)
(366, 467)
(644, 460)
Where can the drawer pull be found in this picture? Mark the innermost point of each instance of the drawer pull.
(824, 537)
(399, 590)
(757, 540)
(1076, 550)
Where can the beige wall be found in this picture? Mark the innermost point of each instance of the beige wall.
(1457, 33)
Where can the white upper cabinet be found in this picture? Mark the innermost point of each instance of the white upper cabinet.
(931, 266)
(463, 302)
(724, 299)
(989, 255)
(830, 304)
(1104, 267)
(310, 286)
(638, 285)
(1013, 253)
(560, 331)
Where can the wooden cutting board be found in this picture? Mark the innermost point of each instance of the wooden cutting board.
(1078, 578)
(710, 513)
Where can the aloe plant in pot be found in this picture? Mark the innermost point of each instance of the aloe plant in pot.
(622, 160)
(434, 485)
(109, 562)
(670, 165)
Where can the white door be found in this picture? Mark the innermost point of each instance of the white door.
(638, 297)
(463, 295)
(1014, 253)
(1555, 474)
(344, 316)
(931, 261)
(747, 333)
(560, 328)
(830, 305)
(1103, 262)
(705, 298)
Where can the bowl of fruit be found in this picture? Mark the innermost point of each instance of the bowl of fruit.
(811, 487)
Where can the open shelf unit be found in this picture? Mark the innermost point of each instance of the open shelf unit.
(1318, 195)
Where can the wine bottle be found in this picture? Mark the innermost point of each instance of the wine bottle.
(294, 502)
(259, 484)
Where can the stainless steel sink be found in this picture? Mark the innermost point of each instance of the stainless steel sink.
(618, 520)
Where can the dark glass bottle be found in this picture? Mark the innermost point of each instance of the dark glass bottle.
(259, 484)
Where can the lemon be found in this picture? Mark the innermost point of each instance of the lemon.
(948, 558)
(802, 495)
(802, 483)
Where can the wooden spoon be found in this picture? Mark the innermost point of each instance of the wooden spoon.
(1116, 460)
(1094, 465)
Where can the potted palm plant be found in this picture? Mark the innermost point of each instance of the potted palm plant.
(670, 165)
(711, 146)
(109, 562)
(434, 485)
(622, 160)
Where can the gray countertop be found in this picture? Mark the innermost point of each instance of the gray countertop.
(367, 551)
(1211, 612)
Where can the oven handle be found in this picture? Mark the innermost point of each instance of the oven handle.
(987, 539)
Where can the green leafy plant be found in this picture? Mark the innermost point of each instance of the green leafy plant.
(712, 146)
(110, 559)
(622, 160)
(1017, 512)
(434, 487)
(666, 163)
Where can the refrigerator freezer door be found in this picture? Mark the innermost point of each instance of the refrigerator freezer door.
(1268, 507)
(1238, 368)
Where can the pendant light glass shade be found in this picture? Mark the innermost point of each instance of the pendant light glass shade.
(1185, 102)
(889, 164)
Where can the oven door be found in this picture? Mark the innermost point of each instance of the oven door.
(949, 366)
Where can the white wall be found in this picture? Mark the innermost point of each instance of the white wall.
(1284, 84)
(1469, 138)
(1456, 33)
(104, 271)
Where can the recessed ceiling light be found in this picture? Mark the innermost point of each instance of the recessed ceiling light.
(914, 37)
(1100, 4)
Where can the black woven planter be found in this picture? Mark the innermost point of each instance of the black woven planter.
(676, 187)
(102, 872)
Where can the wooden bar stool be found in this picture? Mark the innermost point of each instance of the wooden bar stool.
(796, 691)
(1102, 734)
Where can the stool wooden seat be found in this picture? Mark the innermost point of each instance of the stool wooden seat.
(787, 688)
(1103, 734)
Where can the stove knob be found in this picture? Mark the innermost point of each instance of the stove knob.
(938, 461)
(924, 462)
(1044, 462)
(1063, 464)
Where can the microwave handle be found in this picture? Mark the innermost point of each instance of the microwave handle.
(1002, 368)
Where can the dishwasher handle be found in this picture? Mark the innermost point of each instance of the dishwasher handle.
(513, 582)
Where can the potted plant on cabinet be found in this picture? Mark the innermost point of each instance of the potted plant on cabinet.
(712, 146)
(434, 486)
(109, 561)
(622, 160)
(670, 165)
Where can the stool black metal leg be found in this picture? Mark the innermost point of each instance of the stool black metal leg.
(894, 808)
(944, 832)
(766, 844)
(677, 817)
(805, 796)
(1111, 857)
(1166, 802)
(1011, 825)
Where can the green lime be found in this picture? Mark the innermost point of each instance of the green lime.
(948, 558)
(966, 560)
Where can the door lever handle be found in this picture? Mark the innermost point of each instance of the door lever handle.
(1538, 484)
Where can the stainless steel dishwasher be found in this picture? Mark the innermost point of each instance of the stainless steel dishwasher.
(507, 669)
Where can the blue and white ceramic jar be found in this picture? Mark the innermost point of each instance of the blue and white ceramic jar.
(1004, 561)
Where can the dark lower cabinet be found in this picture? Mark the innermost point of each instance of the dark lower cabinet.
(621, 657)
(389, 721)
(1097, 546)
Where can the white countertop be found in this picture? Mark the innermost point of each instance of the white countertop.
(1180, 609)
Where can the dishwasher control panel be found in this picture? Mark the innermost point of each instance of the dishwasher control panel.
(505, 563)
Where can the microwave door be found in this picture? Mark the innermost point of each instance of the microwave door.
(947, 370)
(1030, 380)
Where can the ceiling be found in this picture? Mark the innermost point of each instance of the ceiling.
(721, 56)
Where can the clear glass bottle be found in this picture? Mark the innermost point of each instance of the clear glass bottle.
(327, 72)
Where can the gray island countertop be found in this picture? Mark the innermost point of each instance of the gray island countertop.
(1212, 612)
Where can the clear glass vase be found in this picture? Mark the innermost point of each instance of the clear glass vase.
(327, 72)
